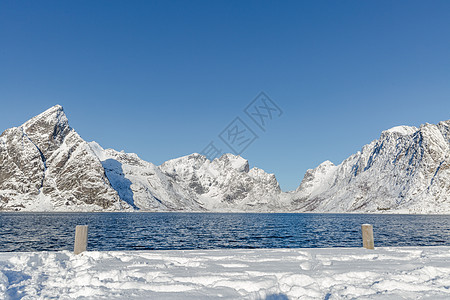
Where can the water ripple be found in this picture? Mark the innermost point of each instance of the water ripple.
(164, 231)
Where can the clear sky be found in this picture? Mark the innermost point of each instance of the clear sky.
(164, 78)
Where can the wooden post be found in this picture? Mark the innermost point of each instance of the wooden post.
(81, 235)
(367, 235)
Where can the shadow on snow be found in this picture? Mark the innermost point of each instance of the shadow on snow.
(114, 172)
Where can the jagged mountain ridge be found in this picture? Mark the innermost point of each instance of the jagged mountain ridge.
(46, 166)
(406, 170)
(190, 183)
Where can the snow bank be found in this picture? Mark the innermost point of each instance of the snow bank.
(334, 273)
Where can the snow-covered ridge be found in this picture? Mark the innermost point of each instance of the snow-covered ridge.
(46, 166)
(403, 130)
(407, 170)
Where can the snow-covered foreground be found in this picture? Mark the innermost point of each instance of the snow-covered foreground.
(333, 273)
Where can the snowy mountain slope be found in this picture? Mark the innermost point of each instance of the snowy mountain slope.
(190, 183)
(405, 170)
(142, 184)
(226, 183)
(45, 165)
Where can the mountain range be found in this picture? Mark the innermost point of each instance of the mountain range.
(46, 166)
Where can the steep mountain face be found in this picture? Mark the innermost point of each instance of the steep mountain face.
(190, 183)
(45, 165)
(406, 170)
(142, 184)
(226, 183)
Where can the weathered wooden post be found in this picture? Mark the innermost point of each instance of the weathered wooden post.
(367, 235)
(81, 235)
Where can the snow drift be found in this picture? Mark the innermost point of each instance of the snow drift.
(333, 273)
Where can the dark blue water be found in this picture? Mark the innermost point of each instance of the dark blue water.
(148, 231)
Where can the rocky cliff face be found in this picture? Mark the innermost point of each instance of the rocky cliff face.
(406, 170)
(142, 184)
(46, 166)
(226, 183)
(190, 183)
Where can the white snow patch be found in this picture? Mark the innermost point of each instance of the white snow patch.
(403, 130)
(337, 273)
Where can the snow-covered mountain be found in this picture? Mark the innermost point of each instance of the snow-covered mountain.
(142, 184)
(190, 183)
(406, 170)
(226, 183)
(46, 166)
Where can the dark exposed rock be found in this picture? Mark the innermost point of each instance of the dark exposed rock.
(46, 161)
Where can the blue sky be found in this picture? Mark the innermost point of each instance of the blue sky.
(164, 78)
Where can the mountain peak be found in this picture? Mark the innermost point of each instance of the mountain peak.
(235, 161)
(48, 129)
(54, 114)
(402, 130)
(56, 107)
(446, 123)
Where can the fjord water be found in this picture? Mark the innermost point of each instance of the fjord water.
(165, 231)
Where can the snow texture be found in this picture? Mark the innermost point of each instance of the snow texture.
(333, 273)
